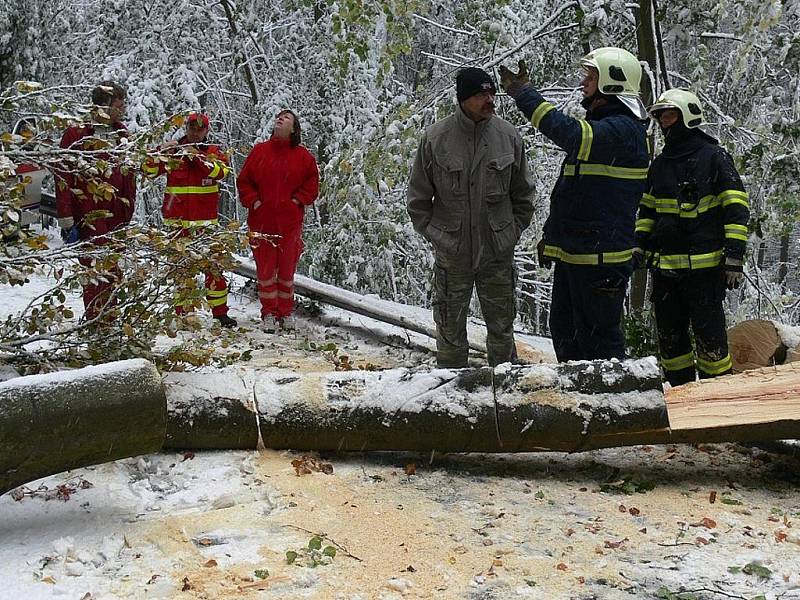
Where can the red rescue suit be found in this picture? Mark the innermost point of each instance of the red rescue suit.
(191, 200)
(278, 180)
(74, 199)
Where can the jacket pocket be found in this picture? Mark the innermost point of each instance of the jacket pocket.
(501, 222)
(498, 179)
(449, 176)
(445, 235)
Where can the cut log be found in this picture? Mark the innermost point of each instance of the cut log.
(511, 409)
(760, 404)
(567, 407)
(378, 309)
(516, 409)
(213, 411)
(51, 423)
(754, 344)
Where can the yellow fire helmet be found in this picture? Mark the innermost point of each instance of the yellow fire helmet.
(684, 101)
(619, 74)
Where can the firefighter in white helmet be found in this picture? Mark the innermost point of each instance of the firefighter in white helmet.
(589, 232)
(692, 232)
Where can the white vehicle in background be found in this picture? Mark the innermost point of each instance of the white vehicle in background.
(37, 205)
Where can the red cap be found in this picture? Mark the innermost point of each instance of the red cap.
(198, 117)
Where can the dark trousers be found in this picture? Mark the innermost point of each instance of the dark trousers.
(691, 299)
(586, 311)
(495, 283)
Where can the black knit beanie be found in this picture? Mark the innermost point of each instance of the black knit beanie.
(471, 81)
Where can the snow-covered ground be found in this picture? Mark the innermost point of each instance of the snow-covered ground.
(219, 525)
(714, 521)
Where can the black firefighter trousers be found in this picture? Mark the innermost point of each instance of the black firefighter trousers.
(691, 299)
(586, 310)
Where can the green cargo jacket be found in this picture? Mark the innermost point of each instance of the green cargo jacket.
(470, 192)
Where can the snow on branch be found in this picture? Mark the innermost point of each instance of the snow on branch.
(444, 27)
(542, 31)
(720, 36)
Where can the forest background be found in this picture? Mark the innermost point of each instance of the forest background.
(366, 77)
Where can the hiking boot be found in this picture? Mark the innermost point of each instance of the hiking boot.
(289, 323)
(226, 321)
(269, 324)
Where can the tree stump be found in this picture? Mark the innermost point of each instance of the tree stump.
(754, 344)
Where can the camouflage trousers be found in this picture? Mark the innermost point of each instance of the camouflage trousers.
(495, 283)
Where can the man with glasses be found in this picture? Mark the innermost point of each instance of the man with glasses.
(471, 196)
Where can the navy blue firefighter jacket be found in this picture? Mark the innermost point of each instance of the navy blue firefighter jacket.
(593, 204)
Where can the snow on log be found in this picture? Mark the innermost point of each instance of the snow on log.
(58, 421)
(508, 409)
(210, 411)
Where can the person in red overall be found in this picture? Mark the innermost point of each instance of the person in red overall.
(191, 197)
(92, 206)
(278, 180)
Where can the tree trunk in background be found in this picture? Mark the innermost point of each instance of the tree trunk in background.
(242, 61)
(783, 261)
(651, 51)
(376, 308)
(51, 423)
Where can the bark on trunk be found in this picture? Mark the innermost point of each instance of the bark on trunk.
(568, 407)
(210, 411)
(51, 423)
(554, 407)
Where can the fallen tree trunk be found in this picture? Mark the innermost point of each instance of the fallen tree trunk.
(210, 411)
(375, 308)
(568, 407)
(65, 420)
(51, 423)
(512, 409)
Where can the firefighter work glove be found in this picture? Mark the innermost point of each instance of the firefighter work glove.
(638, 259)
(512, 82)
(734, 273)
(544, 261)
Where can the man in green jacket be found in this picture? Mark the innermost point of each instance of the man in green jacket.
(471, 196)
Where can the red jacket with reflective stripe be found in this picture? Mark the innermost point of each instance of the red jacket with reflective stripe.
(192, 192)
(73, 198)
(273, 174)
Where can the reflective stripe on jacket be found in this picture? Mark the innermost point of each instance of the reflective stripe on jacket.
(694, 212)
(191, 197)
(593, 204)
